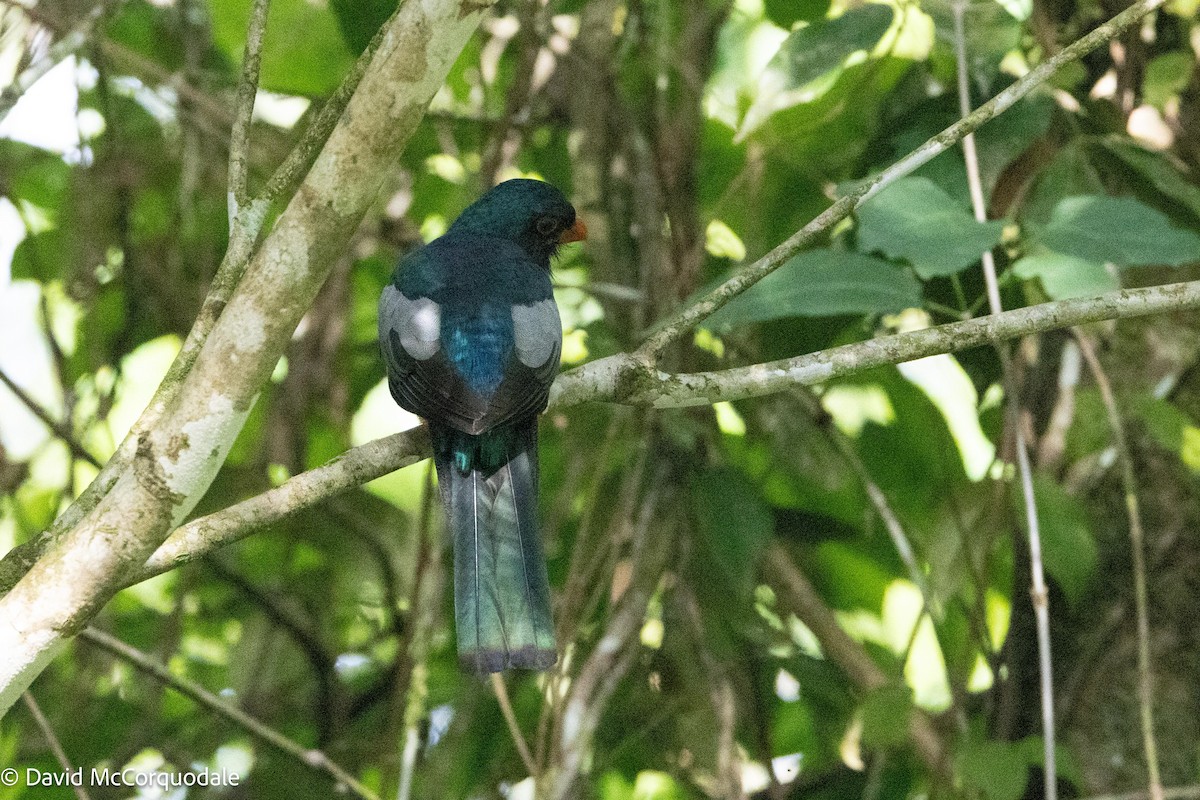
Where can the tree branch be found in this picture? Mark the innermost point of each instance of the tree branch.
(671, 330)
(623, 379)
(802, 599)
(239, 137)
(176, 462)
(627, 380)
(60, 429)
(316, 759)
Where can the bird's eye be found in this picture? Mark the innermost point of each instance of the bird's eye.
(546, 226)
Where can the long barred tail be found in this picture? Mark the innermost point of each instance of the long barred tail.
(501, 592)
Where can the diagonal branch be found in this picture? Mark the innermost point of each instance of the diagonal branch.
(671, 330)
(623, 379)
(315, 759)
(174, 464)
(60, 429)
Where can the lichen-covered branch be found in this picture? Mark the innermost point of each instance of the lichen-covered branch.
(625, 379)
(174, 464)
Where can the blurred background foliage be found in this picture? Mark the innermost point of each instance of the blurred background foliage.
(693, 136)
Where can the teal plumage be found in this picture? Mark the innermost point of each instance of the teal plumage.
(471, 338)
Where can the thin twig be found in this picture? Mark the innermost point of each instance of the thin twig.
(239, 137)
(875, 494)
(1041, 597)
(427, 589)
(510, 719)
(1137, 544)
(60, 755)
(672, 329)
(59, 429)
(316, 759)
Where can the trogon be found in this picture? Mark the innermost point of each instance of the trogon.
(471, 337)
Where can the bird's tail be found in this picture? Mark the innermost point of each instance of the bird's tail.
(489, 487)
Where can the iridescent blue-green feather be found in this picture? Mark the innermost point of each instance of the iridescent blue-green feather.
(501, 592)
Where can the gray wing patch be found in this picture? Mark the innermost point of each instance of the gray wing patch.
(537, 332)
(418, 322)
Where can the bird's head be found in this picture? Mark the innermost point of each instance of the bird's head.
(532, 213)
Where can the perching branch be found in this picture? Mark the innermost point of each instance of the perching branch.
(624, 380)
(686, 319)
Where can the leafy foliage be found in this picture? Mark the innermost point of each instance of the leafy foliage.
(693, 137)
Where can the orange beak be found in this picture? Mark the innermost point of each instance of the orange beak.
(575, 233)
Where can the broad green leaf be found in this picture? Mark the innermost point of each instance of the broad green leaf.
(1157, 168)
(1066, 276)
(999, 143)
(822, 283)
(152, 32)
(359, 19)
(1068, 544)
(42, 179)
(1117, 230)
(44, 256)
(998, 769)
(1067, 765)
(1166, 76)
(1170, 427)
(811, 52)
(1070, 173)
(793, 729)
(915, 220)
(786, 13)
(834, 561)
(303, 53)
(992, 30)
(885, 713)
(733, 523)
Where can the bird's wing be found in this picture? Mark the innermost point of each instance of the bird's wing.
(465, 366)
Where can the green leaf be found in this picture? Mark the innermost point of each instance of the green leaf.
(793, 729)
(999, 769)
(786, 13)
(811, 52)
(43, 181)
(822, 283)
(1166, 76)
(152, 32)
(915, 220)
(1163, 174)
(733, 524)
(44, 256)
(885, 715)
(359, 19)
(1066, 276)
(304, 52)
(1117, 230)
(1068, 545)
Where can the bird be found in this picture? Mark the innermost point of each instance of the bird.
(471, 338)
